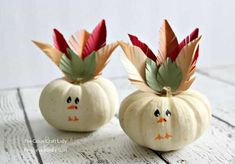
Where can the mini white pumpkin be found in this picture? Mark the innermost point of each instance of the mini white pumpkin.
(82, 100)
(164, 123)
(163, 115)
(83, 107)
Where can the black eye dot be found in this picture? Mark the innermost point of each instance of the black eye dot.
(157, 113)
(168, 113)
(69, 99)
(76, 100)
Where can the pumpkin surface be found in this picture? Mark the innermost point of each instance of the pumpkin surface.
(164, 123)
(74, 107)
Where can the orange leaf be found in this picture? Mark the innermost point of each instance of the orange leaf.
(134, 62)
(78, 41)
(54, 54)
(168, 42)
(102, 56)
(184, 61)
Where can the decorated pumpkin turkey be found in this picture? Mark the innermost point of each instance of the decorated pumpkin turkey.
(82, 100)
(164, 114)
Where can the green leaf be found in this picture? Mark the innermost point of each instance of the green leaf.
(169, 75)
(151, 75)
(90, 66)
(76, 63)
(76, 69)
(65, 66)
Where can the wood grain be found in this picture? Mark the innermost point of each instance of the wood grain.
(108, 144)
(15, 145)
(222, 73)
(220, 95)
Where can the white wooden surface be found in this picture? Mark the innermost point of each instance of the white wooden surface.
(22, 122)
(221, 96)
(24, 20)
(224, 73)
(14, 131)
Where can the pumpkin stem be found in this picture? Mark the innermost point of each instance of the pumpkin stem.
(70, 81)
(167, 91)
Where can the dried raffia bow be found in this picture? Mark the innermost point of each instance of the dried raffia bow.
(173, 67)
(84, 57)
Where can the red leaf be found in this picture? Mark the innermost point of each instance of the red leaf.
(188, 39)
(148, 52)
(96, 40)
(60, 43)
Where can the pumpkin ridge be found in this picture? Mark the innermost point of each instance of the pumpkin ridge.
(196, 116)
(127, 110)
(55, 82)
(142, 119)
(179, 114)
(58, 85)
(193, 109)
(107, 98)
(172, 103)
(200, 99)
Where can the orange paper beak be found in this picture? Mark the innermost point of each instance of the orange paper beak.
(72, 107)
(73, 118)
(162, 119)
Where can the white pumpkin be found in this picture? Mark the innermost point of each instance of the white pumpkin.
(83, 107)
(164, 123)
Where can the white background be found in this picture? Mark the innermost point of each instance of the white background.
(23, 64)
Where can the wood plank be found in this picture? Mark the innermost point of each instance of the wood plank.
(216, 146)
(221, 73)
(108, 144)
(14, 133)
(220, 95)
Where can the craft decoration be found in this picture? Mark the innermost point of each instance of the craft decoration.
(82, 94)
(163, 114)
(174, 61)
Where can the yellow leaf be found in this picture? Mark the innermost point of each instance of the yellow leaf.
(184, 61)
(134, 62)
(136, 56)
(78, 41)
(54, 54)
(186, 84)
(102, 56)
